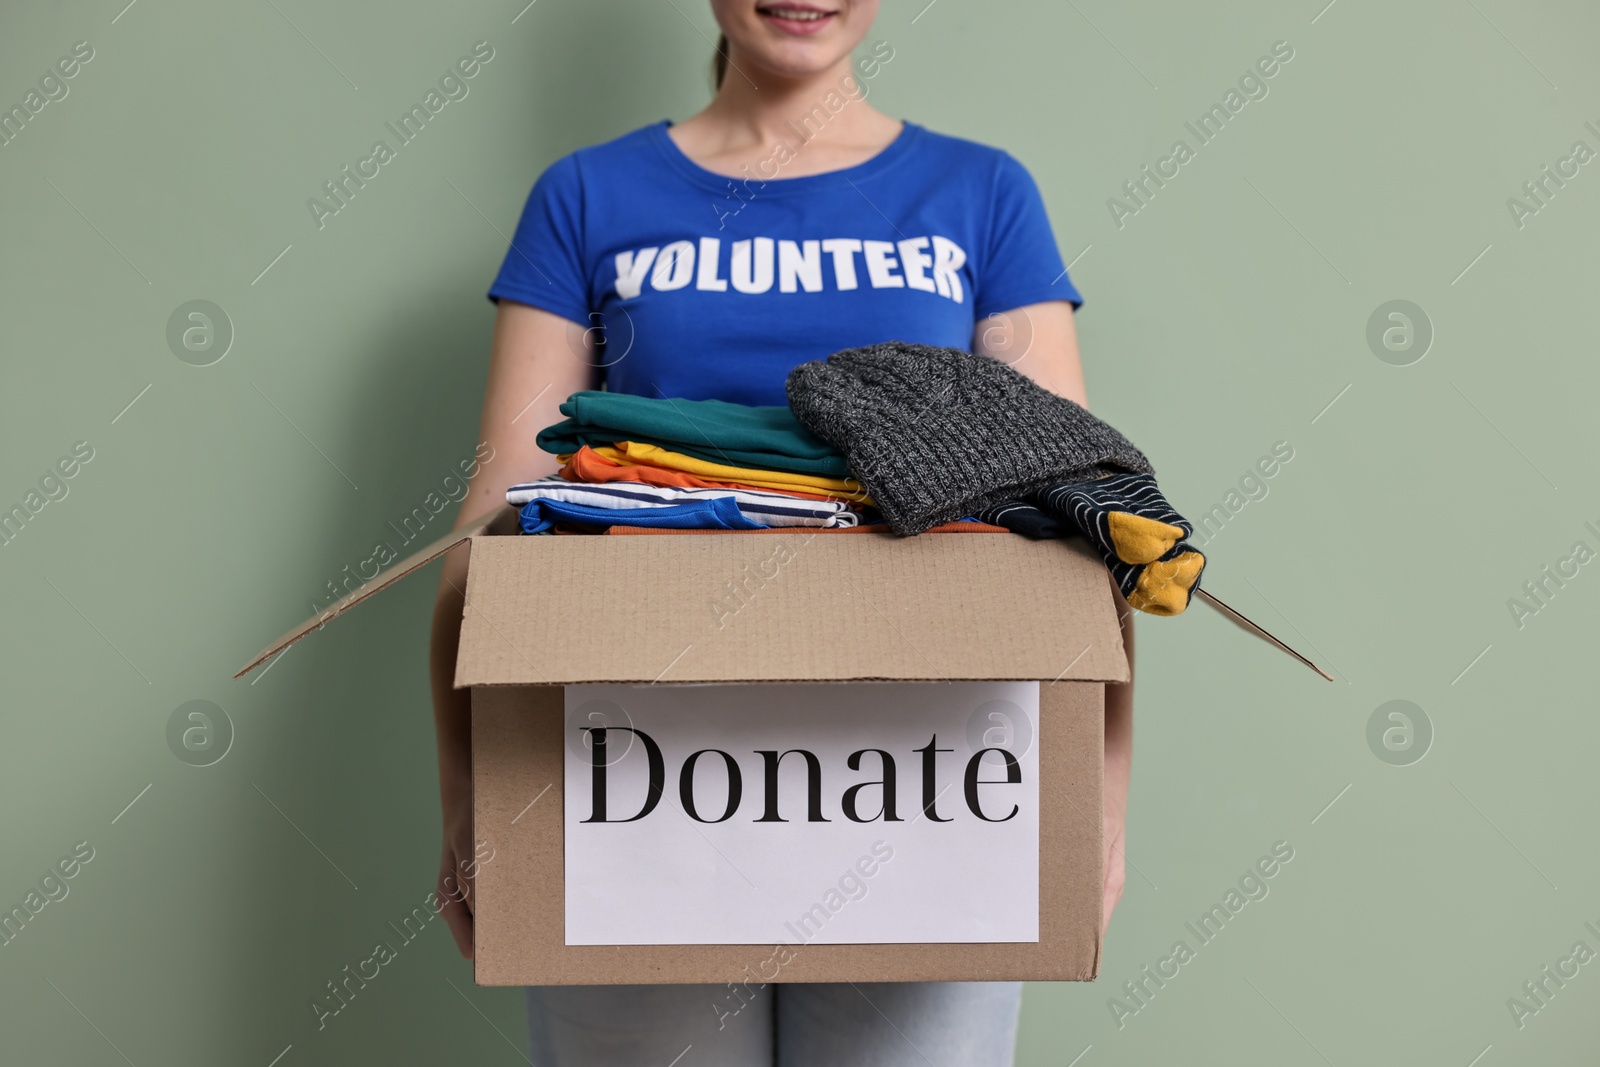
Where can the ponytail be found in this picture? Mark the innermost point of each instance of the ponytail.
(719, 62)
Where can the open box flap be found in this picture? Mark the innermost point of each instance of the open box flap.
(817, 608)
(383, 580)
(1236, 617)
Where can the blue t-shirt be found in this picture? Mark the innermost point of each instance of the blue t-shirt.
(709, 287)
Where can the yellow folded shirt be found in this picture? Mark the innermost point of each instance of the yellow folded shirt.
(639, 454)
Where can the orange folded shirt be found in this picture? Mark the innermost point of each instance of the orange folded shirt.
(587, 465)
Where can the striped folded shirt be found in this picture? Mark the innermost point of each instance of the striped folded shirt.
(769, 509)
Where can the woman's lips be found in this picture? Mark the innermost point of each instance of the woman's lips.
(802, 21)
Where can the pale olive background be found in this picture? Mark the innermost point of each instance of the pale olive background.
(1222, 318)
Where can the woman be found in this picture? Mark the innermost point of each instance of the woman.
(787, 220)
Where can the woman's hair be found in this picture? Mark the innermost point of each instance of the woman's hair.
(719, 62)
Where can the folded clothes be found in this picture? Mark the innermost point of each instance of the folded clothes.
(1164, 586)
(963, 527)
(540, 515)
(643, 454)
(1125, 515)
(587, 465)
(1138, 534)
(1029, 520)
(938, 433)
(925, 436)
(734, 434)
(768, 509)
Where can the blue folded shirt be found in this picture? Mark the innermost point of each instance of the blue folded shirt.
(719, 513)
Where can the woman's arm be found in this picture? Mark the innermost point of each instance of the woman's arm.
(1119, 767)
(1040, 340)
(537, 359)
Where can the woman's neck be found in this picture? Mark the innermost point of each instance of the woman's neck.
(823, 119)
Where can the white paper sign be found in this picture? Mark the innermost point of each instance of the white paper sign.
(822, 813)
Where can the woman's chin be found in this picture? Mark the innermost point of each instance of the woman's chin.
(798, 59)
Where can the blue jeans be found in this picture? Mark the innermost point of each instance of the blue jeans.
(885, 1024)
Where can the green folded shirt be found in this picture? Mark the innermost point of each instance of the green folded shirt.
(738, 435)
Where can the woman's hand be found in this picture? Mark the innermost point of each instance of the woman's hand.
(453, 890)
(1116, 815)
(1119, 764)
(536, 362)
(1116, 872)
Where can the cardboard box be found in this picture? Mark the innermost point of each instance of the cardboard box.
(770, 607)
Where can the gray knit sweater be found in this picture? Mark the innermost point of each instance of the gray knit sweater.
(936, 434)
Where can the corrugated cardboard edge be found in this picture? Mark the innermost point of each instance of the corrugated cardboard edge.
(834, 609)
(383, 580)
(520, 920)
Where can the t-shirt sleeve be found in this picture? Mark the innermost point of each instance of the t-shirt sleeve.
(544, 267)
(1021, 264)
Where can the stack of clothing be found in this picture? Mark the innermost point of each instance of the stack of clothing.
(910, 436)
(938, 433)
(685, 464)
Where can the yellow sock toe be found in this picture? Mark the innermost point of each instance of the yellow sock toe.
(1163, 588)
(1141, 540)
